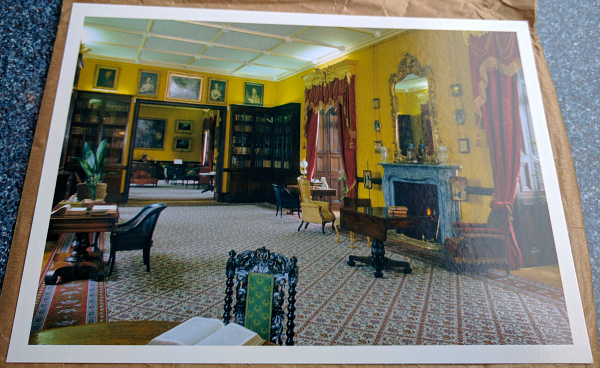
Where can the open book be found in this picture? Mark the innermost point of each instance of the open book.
(207, 331)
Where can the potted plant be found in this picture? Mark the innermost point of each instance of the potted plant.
(92, 163)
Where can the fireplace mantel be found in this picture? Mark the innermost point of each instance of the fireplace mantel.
(438, 175)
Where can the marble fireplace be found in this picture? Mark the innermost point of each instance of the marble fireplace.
(399, 180)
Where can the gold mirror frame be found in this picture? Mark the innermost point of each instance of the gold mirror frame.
(410, 65)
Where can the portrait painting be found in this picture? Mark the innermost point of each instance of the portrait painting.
(184, 126)
(148, 83)
(182, 144)
(254, 94)
(217, 91)
(360, 286)
(150, 133)
(106, 77)
(185, 88)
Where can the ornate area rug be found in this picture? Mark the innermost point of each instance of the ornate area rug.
(71, 303)
(336, 304)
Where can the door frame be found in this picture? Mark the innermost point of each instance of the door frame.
(220, 143)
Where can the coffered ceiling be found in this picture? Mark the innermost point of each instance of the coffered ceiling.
(261, 51)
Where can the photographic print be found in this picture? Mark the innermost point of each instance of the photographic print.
(254, 94)
(185, 88)
(106, 77)
(184, 126)
(148, 83)
(182, 144)
(431, 288)
(217, 91)
(150, 133)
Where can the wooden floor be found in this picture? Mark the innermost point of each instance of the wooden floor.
(547, 275)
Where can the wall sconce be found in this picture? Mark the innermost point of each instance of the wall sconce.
(456, 90)
(304, 145)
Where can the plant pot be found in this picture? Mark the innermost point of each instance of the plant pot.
(83, 191)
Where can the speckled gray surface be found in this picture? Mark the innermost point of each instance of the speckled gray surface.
(569, 31)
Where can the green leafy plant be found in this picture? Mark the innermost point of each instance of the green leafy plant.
(92, 163)
(343, 178)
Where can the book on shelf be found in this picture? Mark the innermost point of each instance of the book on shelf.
(208, 331)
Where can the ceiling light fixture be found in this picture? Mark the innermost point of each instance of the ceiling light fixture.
(342, 49)
(209, 44)
(225, 29)
(197, 57)
(266, 52)
(377, 34)
(288, 40)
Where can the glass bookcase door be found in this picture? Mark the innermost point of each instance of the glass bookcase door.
(114, 125)
(263, 141)
(241, 144)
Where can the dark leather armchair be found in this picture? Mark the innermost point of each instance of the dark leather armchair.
(285, 199)
(284, 271)
(136, 234)
(479, 245)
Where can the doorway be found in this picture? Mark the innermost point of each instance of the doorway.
(329, 160)
(174, 153)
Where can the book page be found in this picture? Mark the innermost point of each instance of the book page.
(189, 332)
(233, 334)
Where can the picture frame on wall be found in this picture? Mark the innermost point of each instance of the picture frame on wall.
(150, 133)
(184, 88)
(217, 91)
(368, 179)
(184, 126)
(254, 94)
(106, 77)
(463, 146)
(148, 82)
(458, 187)
(182, 144)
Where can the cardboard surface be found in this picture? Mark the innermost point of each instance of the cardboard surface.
(482, 9)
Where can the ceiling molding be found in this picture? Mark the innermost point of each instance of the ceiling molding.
(341, 70)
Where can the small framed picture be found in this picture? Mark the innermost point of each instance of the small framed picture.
(367, 177)
(463, 146)
(184, 126)
(106, 77)
(378, 145)
(377, 126)
(375, 103)
(254, 94)
(184, 88)
(182, 144)
(458, 187)
(456, 90)
(217, 91)
(150, 134)
(148, 83)
(459, 116)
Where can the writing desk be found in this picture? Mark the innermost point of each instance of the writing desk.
(79, 263)
(374, 222)
(316, 191)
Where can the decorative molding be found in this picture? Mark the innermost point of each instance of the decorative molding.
(467, 34)
(343, 69)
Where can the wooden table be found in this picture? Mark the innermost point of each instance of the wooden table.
(211, 175)
(79, 263)
(317, 192)
(374, 222)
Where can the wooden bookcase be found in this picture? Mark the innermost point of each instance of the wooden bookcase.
(264, 150)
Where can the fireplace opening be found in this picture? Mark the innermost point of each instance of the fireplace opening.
(422, 202)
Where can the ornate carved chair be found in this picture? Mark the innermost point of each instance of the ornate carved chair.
(314, 211)
(285, 199)
(136, 234)
(479, 245)
(241, 268)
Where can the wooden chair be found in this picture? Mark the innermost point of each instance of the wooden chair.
(284, 271)
(313, 211)
(285, 199)
(479, 245)
(136, 234)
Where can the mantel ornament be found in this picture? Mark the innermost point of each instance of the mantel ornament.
(409, 65)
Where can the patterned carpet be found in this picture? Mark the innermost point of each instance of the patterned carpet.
(164, 191)
(337, 304)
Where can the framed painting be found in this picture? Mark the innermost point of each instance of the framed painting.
(217, 91)
(184, 126)
(254, 94)
(463, 146)
(458, 186)
(106, 77)
(184, 88)
(150, 134)
(182, 144)
(148, 83)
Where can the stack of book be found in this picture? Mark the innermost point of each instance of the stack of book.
(99, 210)
(76, 211)
(397, 211)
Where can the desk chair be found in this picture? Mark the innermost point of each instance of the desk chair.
(314, 211)
(136, 234)
(285, 199)
(259, 271)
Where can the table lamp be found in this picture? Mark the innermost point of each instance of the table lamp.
(303, 165)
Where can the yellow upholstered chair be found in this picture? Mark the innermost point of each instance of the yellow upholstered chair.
(316, 212)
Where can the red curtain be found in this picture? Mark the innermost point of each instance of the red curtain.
(339, 93)
(495, 61)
